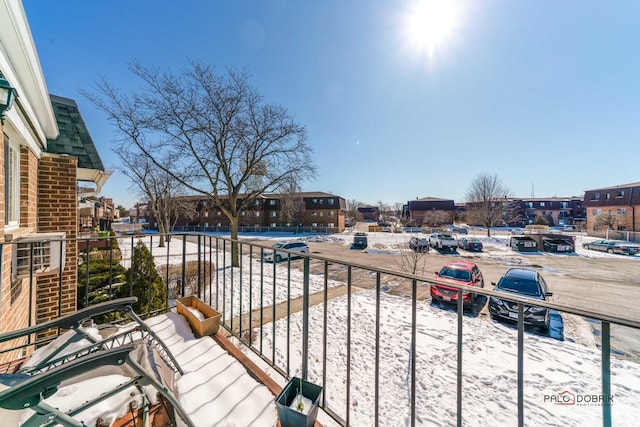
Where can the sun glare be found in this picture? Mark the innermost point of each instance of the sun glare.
(431, 23)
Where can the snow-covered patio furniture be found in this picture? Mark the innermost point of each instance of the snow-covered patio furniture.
(91, 375)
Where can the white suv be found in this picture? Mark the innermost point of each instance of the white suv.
(277, 256)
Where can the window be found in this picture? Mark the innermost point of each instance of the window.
(272, 202)
(314, 213)
(314, 201)
(12, 180)
(597, 211)
(608, 196)
(542, 205)
(620, 194)
(273, 214)
(321, 213)
(331, 213)
(565, 205)
(330, 225)
(330, 201)
(256, 214)
(596, 196)
(529, 205)
(622, 211)
(242, 213)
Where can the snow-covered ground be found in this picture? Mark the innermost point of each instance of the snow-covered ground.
(552, 369)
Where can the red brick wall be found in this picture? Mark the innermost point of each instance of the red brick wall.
(14, 296)
(58, 211)
(28, 189)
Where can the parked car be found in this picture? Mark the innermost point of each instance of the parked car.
(470, 244)
(443, 242)
(277, 255)
(419, 244)
(613, 247)
(360, 240)
(458, 230)
(523, 283)
(459, 273)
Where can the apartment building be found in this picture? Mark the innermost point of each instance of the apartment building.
(305, 209)
(614, 208)
(38, 186)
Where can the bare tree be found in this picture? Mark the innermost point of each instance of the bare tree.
(224, 141)
(608, 220)
(291, 204)
(160, 189)
(352, 210)
(384, 210)
(485, 200)
(412, 262)
(436, 218)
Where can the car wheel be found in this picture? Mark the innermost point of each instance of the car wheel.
(610, 250)
(278, 258)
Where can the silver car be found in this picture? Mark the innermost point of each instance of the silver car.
(277, 255)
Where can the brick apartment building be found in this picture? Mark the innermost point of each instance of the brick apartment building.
(38, 186)
(430, 211)
(305, 209)
(616, 207)
(555, 210)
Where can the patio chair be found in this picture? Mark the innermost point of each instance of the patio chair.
(78, 359)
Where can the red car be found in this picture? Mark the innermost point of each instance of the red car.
(460, 273)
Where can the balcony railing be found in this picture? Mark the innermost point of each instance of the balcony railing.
(263, 303)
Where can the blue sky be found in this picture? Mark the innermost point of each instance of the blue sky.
(544, 93)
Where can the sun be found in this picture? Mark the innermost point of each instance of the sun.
(430, 24)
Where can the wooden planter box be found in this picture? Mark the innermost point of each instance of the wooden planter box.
(200, 327)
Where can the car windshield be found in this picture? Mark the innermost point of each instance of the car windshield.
(279, 245)
(453, 273)
(526, 287)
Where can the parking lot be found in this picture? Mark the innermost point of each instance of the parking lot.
(586, 279)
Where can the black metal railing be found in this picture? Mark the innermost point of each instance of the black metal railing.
(252, 295)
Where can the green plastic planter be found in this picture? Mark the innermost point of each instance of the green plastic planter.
(290, 417)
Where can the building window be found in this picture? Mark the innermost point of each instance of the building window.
(597, 211)
(542, 205)
(622, 211)
(256, 214)
(321, 213)
(242, 213)
(608, 196)
(620, 194)
(12, 180)
(330, 201)
(273, 214)
(330, 225)
(596, 196)
(272, 202)
(314, 201)
(314, 213)
(331, 213)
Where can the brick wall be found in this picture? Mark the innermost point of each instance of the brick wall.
(58, 211)
(28, 189)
